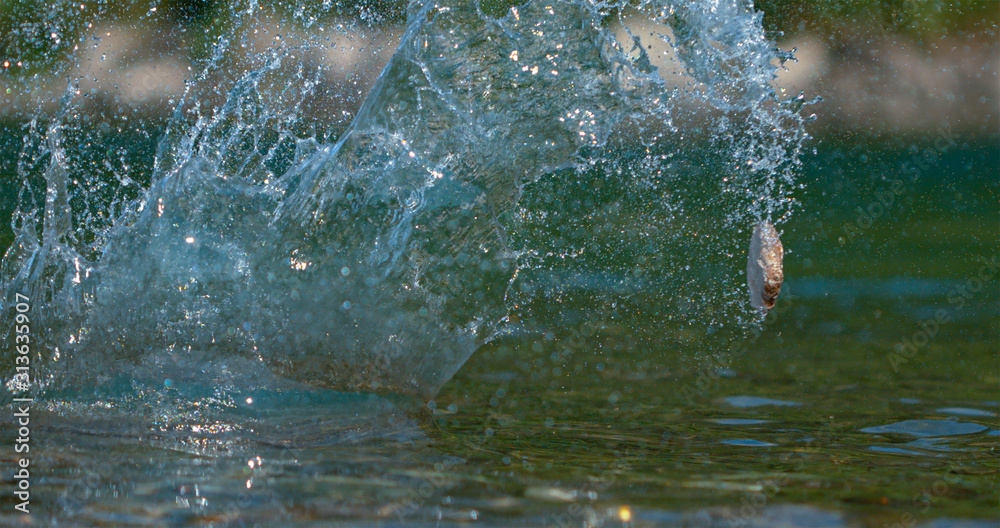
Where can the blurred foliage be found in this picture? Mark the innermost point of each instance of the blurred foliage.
(35, 34)
(35, 29)
(919, 19)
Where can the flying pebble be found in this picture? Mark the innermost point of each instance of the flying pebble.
(764, 270)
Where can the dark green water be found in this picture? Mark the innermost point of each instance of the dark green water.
(585, 425)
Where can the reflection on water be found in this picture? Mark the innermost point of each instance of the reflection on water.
(607, 398)
(756, 401)
(546, 450)
(928, 428)
(740, 421)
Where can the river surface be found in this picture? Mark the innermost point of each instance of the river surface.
(820, 423)
(489, 299)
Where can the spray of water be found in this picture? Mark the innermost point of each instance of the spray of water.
(509, 152)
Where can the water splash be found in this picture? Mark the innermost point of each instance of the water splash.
(507, 153)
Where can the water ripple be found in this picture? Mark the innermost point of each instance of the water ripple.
(965, 411)
(748, 442)
(739, 421)
(745, 402)
(927, 428)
